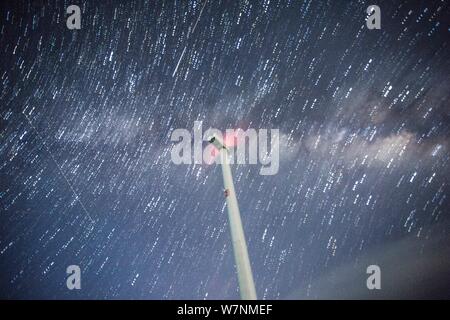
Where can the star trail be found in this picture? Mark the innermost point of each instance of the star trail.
(86, 176)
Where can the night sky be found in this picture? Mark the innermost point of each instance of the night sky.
(86, 176)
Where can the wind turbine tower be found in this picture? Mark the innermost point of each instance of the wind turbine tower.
(244, 270)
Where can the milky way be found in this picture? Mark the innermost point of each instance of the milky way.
(86, 176)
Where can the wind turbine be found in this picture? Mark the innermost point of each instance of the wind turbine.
(244, 270)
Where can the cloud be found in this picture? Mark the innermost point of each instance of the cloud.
(382, 150)
(104, 129)
(411, 268)
(364, 148)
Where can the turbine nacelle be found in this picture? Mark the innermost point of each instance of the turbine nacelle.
(217, 142)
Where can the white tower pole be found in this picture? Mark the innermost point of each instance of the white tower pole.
(244, 271)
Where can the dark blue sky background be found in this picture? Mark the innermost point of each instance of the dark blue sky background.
(364, 167)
